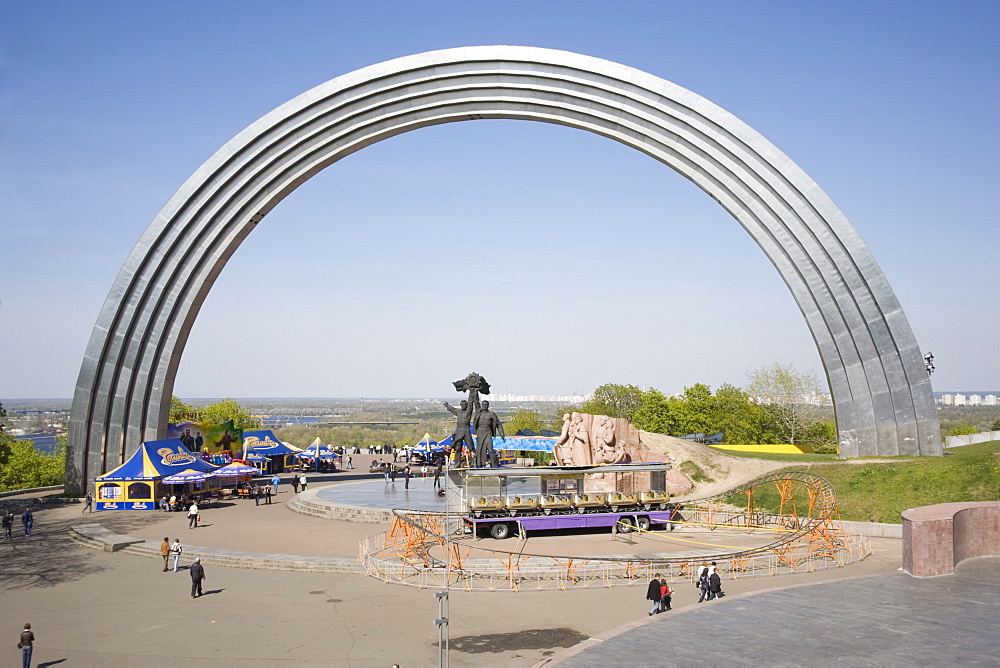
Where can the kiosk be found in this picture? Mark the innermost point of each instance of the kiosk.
(136, 484)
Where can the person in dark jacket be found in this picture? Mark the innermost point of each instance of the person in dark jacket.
(26, 644)
(8, 523)
(197, 577)
(28, 520)
(714, 584)
(653, 594)
(703, 583)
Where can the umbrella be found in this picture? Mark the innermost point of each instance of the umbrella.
(189, 475)
(236, 470)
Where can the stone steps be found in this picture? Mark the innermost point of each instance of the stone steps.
(95, 536)
(331, 511)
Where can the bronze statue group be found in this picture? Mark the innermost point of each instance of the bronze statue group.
(478, 416)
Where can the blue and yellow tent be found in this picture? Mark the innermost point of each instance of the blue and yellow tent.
(264, 443)
(135, 484)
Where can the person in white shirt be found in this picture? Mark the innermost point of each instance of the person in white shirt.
(175, 552)
(193, 515)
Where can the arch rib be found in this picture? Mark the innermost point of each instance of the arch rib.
(881, 395)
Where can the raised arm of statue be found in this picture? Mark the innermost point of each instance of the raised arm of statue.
(451, 409)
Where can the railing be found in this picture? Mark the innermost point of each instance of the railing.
(419, 548)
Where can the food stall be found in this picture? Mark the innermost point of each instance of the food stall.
(138, 483)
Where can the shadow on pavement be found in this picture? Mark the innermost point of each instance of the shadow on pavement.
(48, 557)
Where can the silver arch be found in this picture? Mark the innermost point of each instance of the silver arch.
(881, 392)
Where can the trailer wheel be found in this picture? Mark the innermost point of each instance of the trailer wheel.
(643, 523)
(500, 530)
(625, 525)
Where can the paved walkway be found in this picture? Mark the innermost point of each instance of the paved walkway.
(890, 620)
(91, 608)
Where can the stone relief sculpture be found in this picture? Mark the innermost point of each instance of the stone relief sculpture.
(593, 440)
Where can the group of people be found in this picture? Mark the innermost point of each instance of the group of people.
(299, 480)
(7, 521)
(709, 584)
(173, 551)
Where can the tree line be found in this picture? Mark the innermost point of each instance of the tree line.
(779, 405)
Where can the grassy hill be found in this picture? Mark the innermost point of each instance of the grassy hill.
(880, 491)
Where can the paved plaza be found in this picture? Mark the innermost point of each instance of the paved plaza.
(91, 608)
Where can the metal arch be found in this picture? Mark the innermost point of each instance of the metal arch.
(880, 390)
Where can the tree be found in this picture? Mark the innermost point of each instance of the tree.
(614, 401)
(740, 419)
(963, 429)
(523, 419)
(653, 413)
(228, 409)
(785, 392)
(996, 424)
(26, 467)
(180, 411)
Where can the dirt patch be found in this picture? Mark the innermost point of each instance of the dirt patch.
(718, 472)
(496, 643)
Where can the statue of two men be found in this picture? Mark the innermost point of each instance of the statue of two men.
(486, 423)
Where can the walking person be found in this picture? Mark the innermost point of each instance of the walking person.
(715, 584)
(193, 515)
(175, 552)
(28, 520)
(8, 524)
(406, 474)
(88, 503)
(666, 594)
(197, 577)
(350, 464)
(26, 644)
(267, 495)
(303, 482)
(256, 494)
(653, 594)
(275, 481)
(437, 475)
(165, 552)
(387, 465)
(703, 583)
(295, 483)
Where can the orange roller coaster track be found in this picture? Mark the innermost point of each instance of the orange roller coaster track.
(421, 549)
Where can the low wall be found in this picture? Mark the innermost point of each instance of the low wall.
(969, 439)
(18, 492)
(874, 529)
(937, 538)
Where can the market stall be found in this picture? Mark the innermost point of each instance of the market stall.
(138, 483)
(316, 453)
(263, 443)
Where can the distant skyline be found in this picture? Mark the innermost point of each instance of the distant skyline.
(548, 259)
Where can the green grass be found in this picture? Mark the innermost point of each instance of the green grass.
(694, 472)
(880, 492)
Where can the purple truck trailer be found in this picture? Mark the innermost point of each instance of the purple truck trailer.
(514, 501)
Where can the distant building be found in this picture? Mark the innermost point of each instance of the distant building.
(549, 398)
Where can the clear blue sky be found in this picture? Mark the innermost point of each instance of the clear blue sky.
(605, 265)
